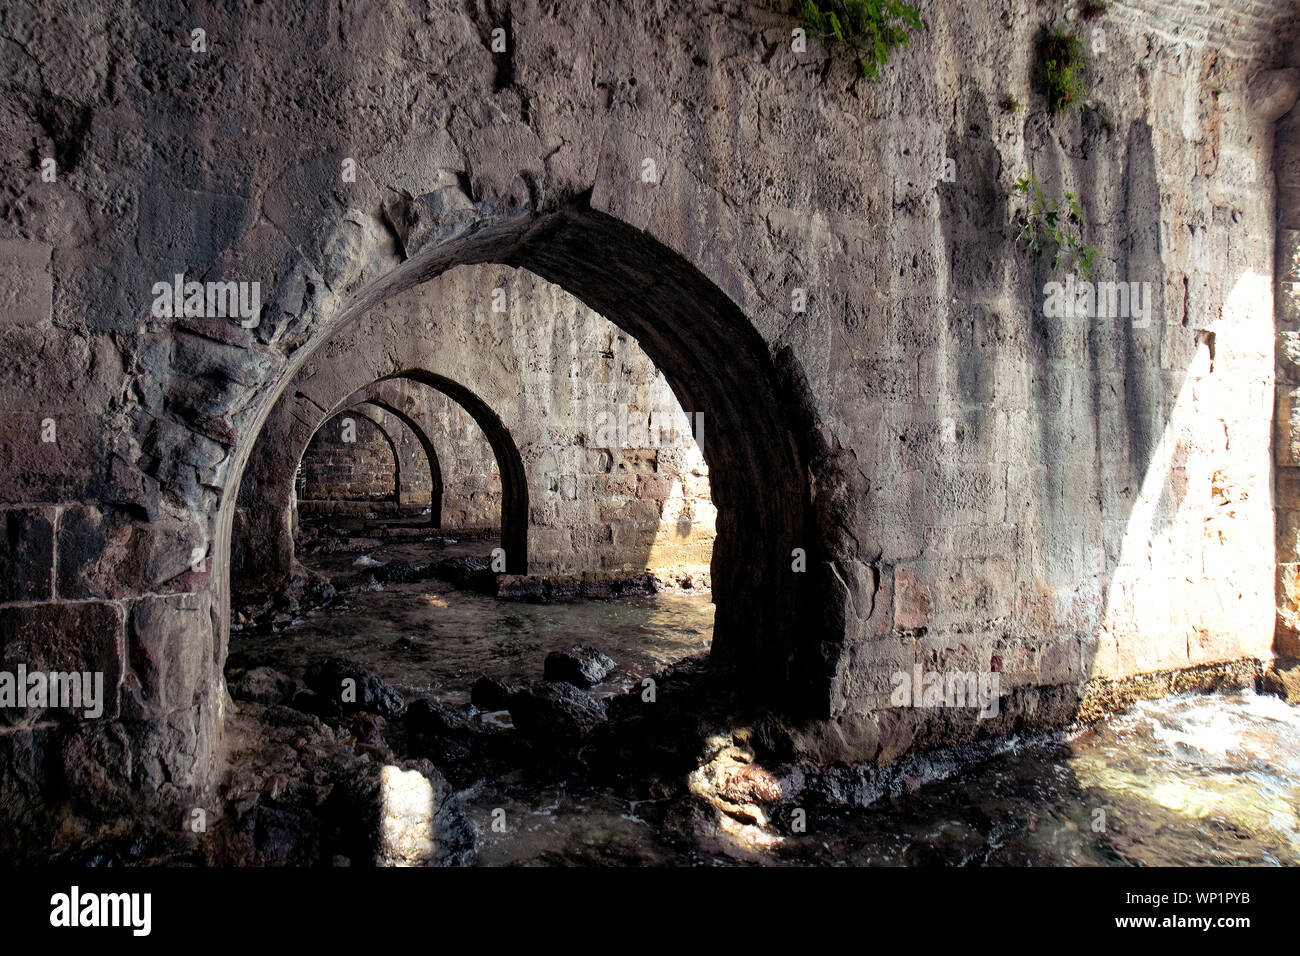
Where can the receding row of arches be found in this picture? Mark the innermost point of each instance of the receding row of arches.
(771, 622)
(311, 438)
(409, 474)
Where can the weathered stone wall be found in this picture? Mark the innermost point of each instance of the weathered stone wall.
(361, 469)
(390, 463)
(975, 485)
(1277, 91)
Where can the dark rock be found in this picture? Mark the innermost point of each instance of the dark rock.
(438, 732)
(581, 666)
(357, 809)
(368, 692)
(474, 574)
(555, 714)
(308, 589)
(263, 685)
(268, 603)
(402, 572)
(491, 694)
(522, 587)
(427, 718)
(368, 730)
(278, 836)
(1283, 679)
(309, 702)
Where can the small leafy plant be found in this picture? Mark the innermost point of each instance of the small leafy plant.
(1061, 69)
(1050, 224)
(872, 28)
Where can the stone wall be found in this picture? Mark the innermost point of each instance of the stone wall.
(363, 468)
(1278, 91)
(973, 484)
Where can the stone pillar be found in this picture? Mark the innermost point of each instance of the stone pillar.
(1276, 92)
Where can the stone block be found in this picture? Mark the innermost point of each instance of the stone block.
(81, 637)
(653, 486)
(26, 283)
(169, 655)
(26, 554)
(911, 599)
(109, 554)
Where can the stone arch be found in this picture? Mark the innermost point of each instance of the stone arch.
(357, 409)
(514, 483)
(430, 455)
(781, 627)
(269, 499)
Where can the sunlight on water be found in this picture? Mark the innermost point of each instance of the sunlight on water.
(1224, 765)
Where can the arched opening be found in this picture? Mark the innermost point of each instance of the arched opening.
(780, 608)
(436, 487)
(351, 457)
(344, 483)
(514, 484)
(618, 495)
(265, 537)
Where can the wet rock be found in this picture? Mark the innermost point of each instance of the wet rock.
(475, 574)
(491, 694)
(520, 587)
(592, 585)
(309, 589)
(329, 679)
(427, 718)
(1283, 679)
(265, 604)
(437, 731)
(555, 714)
(402, 572)
(581, 666)
(264, 685)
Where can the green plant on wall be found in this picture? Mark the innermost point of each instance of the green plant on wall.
(1051, 224)
(1060, 70)
(872, 28)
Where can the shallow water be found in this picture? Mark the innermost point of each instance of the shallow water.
(431, 639)
(1189, 781)
(1194, 780)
